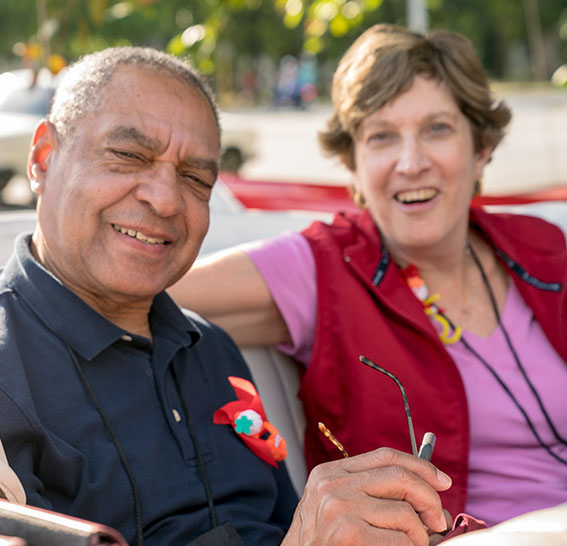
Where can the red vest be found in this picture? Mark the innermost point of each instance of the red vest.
(366, 308)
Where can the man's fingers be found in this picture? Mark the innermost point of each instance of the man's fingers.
(362, 535)
(387, 474)
(383, 497)
(397, 482)
(398, 516)
(384, 457)
(369, 521)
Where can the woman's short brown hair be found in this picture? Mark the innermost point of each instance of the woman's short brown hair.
(382, 63)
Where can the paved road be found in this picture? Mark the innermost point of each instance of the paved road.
(533, 155)
(12, 223)
(231, 223)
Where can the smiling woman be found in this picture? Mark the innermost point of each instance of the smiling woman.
(416, 168)
(455, 301)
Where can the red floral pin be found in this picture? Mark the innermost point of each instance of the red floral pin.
(248, 418)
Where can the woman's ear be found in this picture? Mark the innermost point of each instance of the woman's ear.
(356, 192)
(483, 157)
(348, 160)
(43, 143)
(346, 157)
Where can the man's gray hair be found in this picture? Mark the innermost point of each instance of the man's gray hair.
(80, 90)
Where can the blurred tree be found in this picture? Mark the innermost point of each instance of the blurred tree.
(217, 34)
(499, 30)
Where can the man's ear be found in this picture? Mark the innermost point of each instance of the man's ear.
(43, 143)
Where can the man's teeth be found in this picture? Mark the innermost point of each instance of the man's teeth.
(139, 235)
(414, 196)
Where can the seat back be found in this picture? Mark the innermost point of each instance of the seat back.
(277, 379)
(546, 527)
(10, 486)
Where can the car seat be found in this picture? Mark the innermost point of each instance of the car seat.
(277, 379)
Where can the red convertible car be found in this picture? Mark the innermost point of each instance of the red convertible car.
(273, 205)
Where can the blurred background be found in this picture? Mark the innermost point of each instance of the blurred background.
(271, 62)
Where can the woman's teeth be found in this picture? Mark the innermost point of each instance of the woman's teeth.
(416, 196)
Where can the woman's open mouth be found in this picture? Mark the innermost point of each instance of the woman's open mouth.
(416, 196)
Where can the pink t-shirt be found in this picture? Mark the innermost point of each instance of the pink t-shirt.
(286, 263)
(509, 472)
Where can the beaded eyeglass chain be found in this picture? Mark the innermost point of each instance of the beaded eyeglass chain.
(451, 334)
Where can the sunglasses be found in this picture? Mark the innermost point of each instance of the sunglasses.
(428, 442)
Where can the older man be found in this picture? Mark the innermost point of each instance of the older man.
(107, 389)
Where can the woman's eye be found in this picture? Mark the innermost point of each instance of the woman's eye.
(437, 128)
(382, 136)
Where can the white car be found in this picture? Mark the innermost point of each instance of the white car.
(231, 223)
(24, 102)
(238, 141)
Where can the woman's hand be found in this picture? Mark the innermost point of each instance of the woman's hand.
(384, 497)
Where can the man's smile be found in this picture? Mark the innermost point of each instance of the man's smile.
(142, 237)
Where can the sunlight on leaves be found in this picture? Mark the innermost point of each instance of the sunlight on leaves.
(192, 35)
(97, 10)
(175, 46)
(313, 45)
(338, 26)
(315, 27)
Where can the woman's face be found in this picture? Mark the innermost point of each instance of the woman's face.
(416, 167)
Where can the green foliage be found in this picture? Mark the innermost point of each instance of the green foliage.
(218, 32)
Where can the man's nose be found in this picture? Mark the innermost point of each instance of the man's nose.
(412, 158)
(160, 189)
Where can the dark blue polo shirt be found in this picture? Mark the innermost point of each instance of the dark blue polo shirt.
(64, 454)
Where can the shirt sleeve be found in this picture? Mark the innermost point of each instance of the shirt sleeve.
(287, 265)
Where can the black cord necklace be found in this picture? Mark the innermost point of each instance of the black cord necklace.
(124, 460)
(501, 382)
(119, 449)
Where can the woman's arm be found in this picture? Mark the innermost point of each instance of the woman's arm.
(228, 290)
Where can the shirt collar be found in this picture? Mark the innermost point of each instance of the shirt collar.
(76, 323)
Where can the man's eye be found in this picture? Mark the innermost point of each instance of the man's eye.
(197, 180)
(125, 154)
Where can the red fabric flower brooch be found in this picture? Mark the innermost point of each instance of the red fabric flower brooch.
(248, 419)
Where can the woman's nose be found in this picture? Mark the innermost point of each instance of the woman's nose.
(412, 159)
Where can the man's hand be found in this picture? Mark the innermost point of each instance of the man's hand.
(436, 538)
(381, 498)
